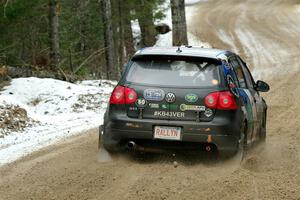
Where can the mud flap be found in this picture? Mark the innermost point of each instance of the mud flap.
(103, 155)
(100, 135)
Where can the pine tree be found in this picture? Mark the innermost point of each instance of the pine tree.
(54, 34)
(112, 72)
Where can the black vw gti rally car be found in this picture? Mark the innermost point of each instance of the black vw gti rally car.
(185, 98)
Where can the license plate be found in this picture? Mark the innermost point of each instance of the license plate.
(167, 133)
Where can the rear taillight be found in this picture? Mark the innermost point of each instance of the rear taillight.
(211, 100)
(130, 95)
(123, 95)
(118, 95)
(226, 101)
(220, 100)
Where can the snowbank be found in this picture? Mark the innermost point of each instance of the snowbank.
(61, 109)
(57, 109)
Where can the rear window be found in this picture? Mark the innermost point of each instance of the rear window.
(180, 72)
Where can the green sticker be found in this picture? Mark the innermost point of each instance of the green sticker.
(164, 106)
(169, 106)
(173, 107)
(192, 98)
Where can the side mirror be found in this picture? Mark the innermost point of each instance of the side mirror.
(262, 86)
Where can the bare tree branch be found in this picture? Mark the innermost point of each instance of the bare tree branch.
(88, 58)
(5, 6)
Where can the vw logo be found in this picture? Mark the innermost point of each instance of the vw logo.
(170, 98)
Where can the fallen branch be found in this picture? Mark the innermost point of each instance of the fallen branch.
(88, 58)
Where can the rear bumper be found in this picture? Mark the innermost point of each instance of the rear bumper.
(221, 132)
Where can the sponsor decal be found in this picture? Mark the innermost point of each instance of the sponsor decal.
(227, 68)
(165, 106)
(208, 112)
(243, 94)
(232, 86)
(184, 107)
(154, 94)
(170, 97)
(154, 105)
(169, 114)
(141, 103)
(169, 106)
(192, 98)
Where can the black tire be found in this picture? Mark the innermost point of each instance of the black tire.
(243, 146)
(263, 130)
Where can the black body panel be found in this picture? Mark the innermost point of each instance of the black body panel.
(224, 128)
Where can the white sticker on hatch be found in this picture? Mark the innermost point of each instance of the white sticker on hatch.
(154, 105)
(184, 107)
(169, 114)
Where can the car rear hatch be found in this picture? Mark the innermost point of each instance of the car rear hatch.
(171, 87)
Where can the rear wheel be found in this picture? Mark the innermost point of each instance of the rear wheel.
(263, 130)
(241, 149)
(243, 145)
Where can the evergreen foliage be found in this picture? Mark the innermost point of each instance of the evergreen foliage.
(24, 33)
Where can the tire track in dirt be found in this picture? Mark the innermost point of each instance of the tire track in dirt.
(266, 34)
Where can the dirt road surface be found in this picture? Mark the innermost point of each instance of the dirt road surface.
(267, 34)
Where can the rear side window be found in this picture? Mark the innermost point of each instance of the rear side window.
(188, 72)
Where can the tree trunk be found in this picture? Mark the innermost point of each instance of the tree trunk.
(128, 38)
(179, 23)
(53, 34)
(112, 71)
(147, 26)
(121, 38)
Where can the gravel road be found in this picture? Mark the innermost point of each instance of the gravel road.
(266, 34)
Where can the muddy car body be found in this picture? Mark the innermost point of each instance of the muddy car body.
(185, 98)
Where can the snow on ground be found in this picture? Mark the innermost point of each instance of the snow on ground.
(297, 8)
(228, 38)
(55, 109)
(136, 32)
(60, 109)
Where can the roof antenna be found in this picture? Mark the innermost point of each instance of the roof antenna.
(179, 50)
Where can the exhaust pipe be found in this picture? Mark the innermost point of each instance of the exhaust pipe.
(131, 145)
